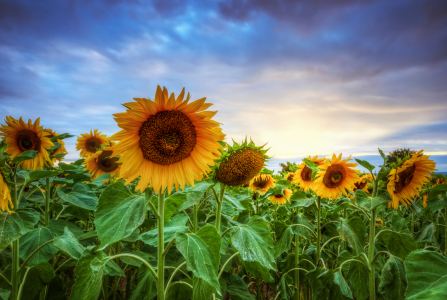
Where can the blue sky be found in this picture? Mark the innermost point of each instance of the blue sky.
(305, 76)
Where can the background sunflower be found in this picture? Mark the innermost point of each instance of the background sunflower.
(281, 198)
(262, 183)
(50, 134)
(102, 162)
(5, 196)
(303, 176)
(89, 143)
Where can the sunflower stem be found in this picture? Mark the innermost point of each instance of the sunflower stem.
(161, 245)
(445, 220)
(372, 241)
(194, 217)
(15, 250)
(318, 230)
(47, 201)
(297, 260)
(219, 206)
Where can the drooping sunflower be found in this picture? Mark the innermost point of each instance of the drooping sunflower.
(22, 137)
(240, 163)
(88, 143)
(281, 199)
(168, 142)
(262, 183)
(303, 176)
(362, 183)
(102, 162)
(5, 196)
(404, 181)
(336, 177)
(50, 134)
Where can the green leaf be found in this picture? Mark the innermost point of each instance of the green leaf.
(440, 189)
(284, 238)
(200, 258)
(80, 195)
(426, 275)
(353, 231)
(427, 234)
(202, 290)
(26, 155)
(112, 269)
(284, 288)
(299, 199)
(301, 231)
(392, 281)
(319, 290)
(254, 243)
(13, 226)
(34, 239)
(365, 164)
(179, 291)
(238, 289)
(195, 194)
(399, 244)
(69, 244)
(435, 201)
(398, 223)
(177, 224)
(119, 212)
(88, 280)
(37, 278)
(147, 285)
(313, 166)
(357, 274)
(39, 174)
(57, 227)
(236, 201)
(4, 294)
(172, 204)
(363, 199)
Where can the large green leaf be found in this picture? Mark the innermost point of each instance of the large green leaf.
(300, 230)
(177, 224)
(26, 155)
(202, 290)
(426, 234)
(13, 226)
(4, 294)
(365, 164)
(353, 231)
(195, 194)
(119, 212)
(284, 288)
(319, 290)
(88, 280)
(254, 243)
(356, 273)
(39, 174)
(57, 227)
(34, 239)
(426, 275)
(147, 285)
(363, 199)
(238, 289)
(399, 244)
(37, 278)
(179, 291)
(200, 258)
(393, 282)
(80, 195)
(299, 199)
(436, 199)
(284, 238)
(69, 244)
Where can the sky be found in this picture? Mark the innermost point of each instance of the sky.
(307, 77)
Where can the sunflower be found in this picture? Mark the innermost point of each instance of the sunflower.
(404, 181)
(303, 176)
(379, 222)
(89, 143)
(50, 134)
(22, 137)
(281, 199)
(239, 164)
(102, 162)
(439, 181)
(335, 177)
(424, 200)
(5, 196)
(290, 176)
(167, 141)
(362, 183)
(262, 183)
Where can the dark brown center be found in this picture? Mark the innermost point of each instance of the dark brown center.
(405, 178)
(261, 182)
(290, 177)
(167, 137)
(93, 143)
(306, 174)
(105, 162)
(28, 140)
(334, 176)
(360, 185)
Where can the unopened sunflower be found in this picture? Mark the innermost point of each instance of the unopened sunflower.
(168, 142)
(102, 162)
(362, 183)
(262, 183)
(50, 134)
(240, 163)
(303, 176)
(404, 181)
(5, 196)
(89, 143)
(22, 137)
(281, 198)
(336, 177)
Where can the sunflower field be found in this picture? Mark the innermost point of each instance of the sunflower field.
(165, 209)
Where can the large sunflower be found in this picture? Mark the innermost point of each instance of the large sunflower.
(88, 143)
(5, 196)
(102, 162)
(404, 181)
(262, 183)
(167, 141)
(303, 176)
(335, 177)
(50, 134)
(240, 163)
(22, 137)
(281, 199)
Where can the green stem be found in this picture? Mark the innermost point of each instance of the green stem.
(372, 283)
(412, 223)
(161, 245)
(318, 230)
(195, 221)
(47, 201)
(297, 272)
(219, 206)
(15, 250)
(225, 264)
(172, 276)
(19, 296)
(258, 289)
(445, 220)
